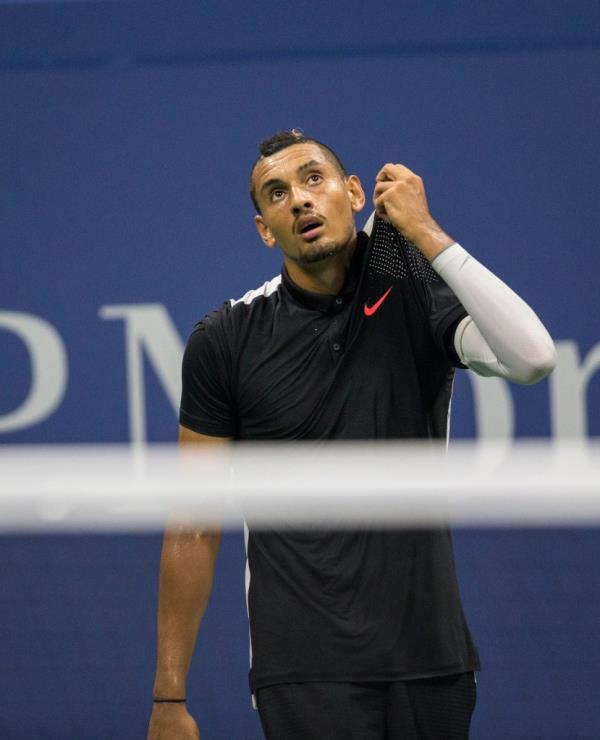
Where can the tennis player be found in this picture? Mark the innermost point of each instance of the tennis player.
(355, 635)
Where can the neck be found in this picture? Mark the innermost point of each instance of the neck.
(326, 276)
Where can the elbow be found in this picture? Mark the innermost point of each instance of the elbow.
(540, 366)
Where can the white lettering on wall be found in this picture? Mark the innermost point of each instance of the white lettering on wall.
(494, 407)
(48, 362)
(568, 389)
(149, 332)
(151, 335)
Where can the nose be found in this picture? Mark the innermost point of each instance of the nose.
(300, 201)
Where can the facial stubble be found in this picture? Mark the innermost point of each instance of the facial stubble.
(320, 253)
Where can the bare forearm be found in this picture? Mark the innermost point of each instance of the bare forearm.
(186, 573)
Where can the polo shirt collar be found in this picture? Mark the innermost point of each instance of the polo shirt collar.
(322, 301)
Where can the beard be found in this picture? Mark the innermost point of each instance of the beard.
(319, 252)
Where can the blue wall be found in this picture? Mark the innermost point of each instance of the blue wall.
(127, 134)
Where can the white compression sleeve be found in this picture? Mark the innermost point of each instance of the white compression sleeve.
(502, 335)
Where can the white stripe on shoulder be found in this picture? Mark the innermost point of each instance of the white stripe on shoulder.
(368, 227)
(264, 291)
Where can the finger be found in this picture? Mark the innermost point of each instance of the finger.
(384, 173)
(380, 200)
(382, 187)
(379, 203)
(391, 171)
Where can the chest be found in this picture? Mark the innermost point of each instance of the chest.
(342, 373)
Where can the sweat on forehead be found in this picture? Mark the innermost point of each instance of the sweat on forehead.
(314, 150)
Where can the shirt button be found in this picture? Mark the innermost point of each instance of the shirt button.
(336, 347)
(339, 301)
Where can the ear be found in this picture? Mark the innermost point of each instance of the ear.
(264, 231)
(356, 193)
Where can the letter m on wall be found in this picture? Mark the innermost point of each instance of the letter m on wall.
(149, 334)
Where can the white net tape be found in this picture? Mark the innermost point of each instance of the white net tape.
(106, 488)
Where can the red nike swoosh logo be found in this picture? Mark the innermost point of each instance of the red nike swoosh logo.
(370, 310)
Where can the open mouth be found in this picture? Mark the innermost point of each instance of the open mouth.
(308, 227)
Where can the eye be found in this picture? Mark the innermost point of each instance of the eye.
(277, 194)
(314, 178)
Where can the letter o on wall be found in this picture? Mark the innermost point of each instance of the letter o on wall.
(48, 359)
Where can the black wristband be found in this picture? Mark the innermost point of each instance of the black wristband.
(168, 701)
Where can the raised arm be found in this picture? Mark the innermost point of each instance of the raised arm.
(186, 573)
(502, 336)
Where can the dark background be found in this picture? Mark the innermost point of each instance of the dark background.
(127, 131)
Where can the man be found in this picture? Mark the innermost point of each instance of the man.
(357, 635)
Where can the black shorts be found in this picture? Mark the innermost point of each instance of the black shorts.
(427, 709)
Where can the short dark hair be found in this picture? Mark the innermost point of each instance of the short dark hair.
(284, 139)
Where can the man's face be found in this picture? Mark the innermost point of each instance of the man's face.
(307, 205)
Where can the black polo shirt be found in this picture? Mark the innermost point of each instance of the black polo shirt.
(373, 362)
